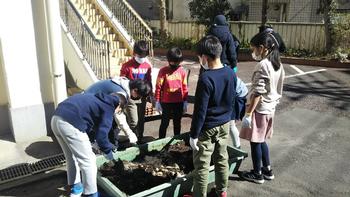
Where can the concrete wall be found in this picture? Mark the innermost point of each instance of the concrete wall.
(80, 70)
(20, 68)
(4, 117)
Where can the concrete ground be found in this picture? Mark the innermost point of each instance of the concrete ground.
(309, 150)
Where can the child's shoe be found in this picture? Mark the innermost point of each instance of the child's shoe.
(92, 195)
(76, 190)
(252, 176)
(268, 175)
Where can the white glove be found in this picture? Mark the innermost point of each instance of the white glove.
(185, 107)
(247, 121)
(132, 137)
(109, 156)
(159, 107)
(193, 143)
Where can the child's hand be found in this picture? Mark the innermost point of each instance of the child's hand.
(159, 107)
(185, 107)
(247, 121)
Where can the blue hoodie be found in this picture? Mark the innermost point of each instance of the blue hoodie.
(87, 111)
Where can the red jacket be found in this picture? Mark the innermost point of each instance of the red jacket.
(171, 86)
(133, 70)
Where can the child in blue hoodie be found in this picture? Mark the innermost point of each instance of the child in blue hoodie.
(73, 119)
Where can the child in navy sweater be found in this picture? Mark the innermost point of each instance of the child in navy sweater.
(73, 119)
(213, 107)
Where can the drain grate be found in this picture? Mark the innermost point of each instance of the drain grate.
(27, 169)
(14, 172)
(47, 164)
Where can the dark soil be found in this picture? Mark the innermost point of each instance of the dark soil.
(150, 170)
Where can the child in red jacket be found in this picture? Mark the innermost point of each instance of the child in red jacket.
(137, 68)
(171, 92)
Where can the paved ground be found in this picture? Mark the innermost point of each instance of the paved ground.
(310, 147)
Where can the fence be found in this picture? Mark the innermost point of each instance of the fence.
(308, 36)
(94, 50)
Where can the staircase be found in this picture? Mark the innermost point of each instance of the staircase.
(115, 22)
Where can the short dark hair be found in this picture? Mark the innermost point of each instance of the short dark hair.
(142, 87)
(210, 46)
(174, 55)
(141, 48)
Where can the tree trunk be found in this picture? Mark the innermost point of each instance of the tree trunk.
(162, 17)
(328, 27)
(264, 12)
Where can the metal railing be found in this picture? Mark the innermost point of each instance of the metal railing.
(95, 51)
(131, 21)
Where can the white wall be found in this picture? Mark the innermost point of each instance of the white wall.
(20, 69)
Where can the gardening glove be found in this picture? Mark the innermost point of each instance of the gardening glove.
(185, 107)
(109, 156)
(247, 121)
(159, 107)
(193, 143)
(132, 137)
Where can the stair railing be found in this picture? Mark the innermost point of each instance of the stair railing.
(95, 51)
(131, 21)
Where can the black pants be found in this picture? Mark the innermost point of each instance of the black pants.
(260, 153)
(174, 111)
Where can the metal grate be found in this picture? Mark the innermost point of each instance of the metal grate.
(27, 169)
(48, 163)
(14, 172)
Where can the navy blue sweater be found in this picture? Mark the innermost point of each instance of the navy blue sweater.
(213, 100)
(88, 111)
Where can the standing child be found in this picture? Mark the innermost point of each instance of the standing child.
(137, 68)
(171, 92)
(215, 93)
(73, 119)
(238, 112)
(266, 91)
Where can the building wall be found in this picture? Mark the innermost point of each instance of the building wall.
(147, 9)
(296, 10)
(4, 118)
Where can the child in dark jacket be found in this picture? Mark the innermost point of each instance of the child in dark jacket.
(239, 107)
(171, 92)
(221, 30)
(73, 119)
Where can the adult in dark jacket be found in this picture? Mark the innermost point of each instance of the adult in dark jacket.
(73, 119)
(221, 30)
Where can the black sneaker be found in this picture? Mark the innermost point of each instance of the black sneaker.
(268, 175)
(252, 176)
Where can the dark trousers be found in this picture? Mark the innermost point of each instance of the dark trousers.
(260, 152)
(174, 111)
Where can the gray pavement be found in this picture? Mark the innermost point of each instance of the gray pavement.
(309, 149)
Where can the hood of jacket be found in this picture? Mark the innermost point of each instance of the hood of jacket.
(108, 99)
(222, 32)
(124, 83)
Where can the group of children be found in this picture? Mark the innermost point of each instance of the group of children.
(220, 101)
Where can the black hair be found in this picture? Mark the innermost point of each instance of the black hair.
(141, 48)
(142, 87)
(174, 55)
(271, 44)
(210, 46)
(269, 29)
